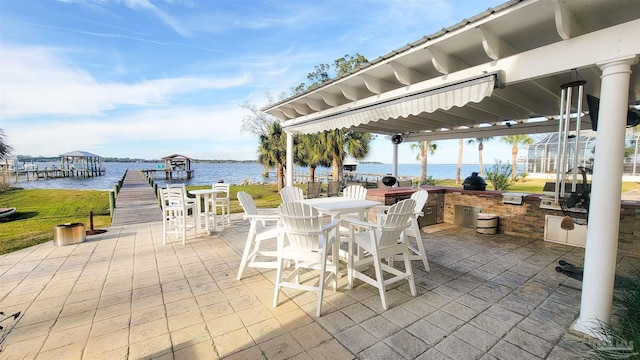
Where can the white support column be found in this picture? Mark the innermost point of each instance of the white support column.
(289, 173)
(604, 211)
(395, 161)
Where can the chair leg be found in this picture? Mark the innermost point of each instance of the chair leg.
(380, 280)
(184, 227)
(423, 253)
(409, 270)
(164, 228)
(321, 284)
(228, 203)
(276, 291)
(247, 249)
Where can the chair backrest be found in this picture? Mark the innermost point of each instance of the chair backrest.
(333, 188)
(224, 187)
(313, 190)
(177, 186)
(420, 198)
(172, 197)
(302, 225)
(396, 220)
(355, 192)
(247, 203)
(291, 193)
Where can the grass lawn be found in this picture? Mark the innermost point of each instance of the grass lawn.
(38, 211)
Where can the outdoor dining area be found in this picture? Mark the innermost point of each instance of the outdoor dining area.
(325, 278)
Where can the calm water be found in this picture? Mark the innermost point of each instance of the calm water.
(233, 173)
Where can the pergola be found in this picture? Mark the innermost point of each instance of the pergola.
(499, 73)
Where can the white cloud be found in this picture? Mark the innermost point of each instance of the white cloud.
(35, 81)
(200, 129)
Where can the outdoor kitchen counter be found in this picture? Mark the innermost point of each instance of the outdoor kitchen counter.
(389, 196)
(526, 218)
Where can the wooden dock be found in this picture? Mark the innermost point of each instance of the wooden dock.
(55, 173)
(136, 202)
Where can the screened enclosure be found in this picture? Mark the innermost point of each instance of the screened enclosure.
(542, 156)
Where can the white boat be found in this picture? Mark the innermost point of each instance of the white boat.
(4, 212)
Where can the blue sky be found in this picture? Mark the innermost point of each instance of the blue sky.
(145, 79)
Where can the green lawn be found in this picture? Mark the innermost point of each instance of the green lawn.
(40, 210)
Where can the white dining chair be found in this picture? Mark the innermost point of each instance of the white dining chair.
(175, 215)
(221, 201)
(418, 252)
(355, 192)
(263, 227)
(291, 193)
(305, 244)
(378, 241)
(183, 187)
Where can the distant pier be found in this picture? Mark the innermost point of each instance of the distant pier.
(55, 173)
(168, 174)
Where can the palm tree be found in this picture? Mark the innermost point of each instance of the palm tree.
(341, 143)
(272, 151)
(310, 152)
(424, 148)
(515, 141)
(5, 149)
(480, 142)
(459, 169)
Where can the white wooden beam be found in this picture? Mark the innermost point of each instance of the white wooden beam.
(405, 75)
(301, 109)
(351, 92)
(374, 84)
(331, 99)
(315, 104)
(443, 62)
(567, 24)
(494, 46)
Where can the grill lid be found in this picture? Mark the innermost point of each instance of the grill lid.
(474, 182)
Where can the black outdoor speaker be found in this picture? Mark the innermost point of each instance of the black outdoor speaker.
(593, 103)
(397, 139)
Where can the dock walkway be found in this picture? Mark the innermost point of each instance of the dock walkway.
(136, 202)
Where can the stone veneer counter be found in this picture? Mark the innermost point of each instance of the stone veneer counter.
(526, 219)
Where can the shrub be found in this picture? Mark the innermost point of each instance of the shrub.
(429, 181)
(499, 175)
(5, 181)
(622, 336)
(523, 176)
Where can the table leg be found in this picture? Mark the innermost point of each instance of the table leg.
(215, 211)
(196, 216)
(206, 213)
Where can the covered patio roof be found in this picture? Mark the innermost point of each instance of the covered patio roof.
(498, 73)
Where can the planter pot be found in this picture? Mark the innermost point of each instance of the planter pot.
(69, 234)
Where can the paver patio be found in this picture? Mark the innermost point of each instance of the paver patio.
(123, 295)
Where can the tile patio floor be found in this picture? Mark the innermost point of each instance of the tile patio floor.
(123, 295)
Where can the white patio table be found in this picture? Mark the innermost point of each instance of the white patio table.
(338, 206)
(206, 194)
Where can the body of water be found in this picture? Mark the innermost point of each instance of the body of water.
(233, 173)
